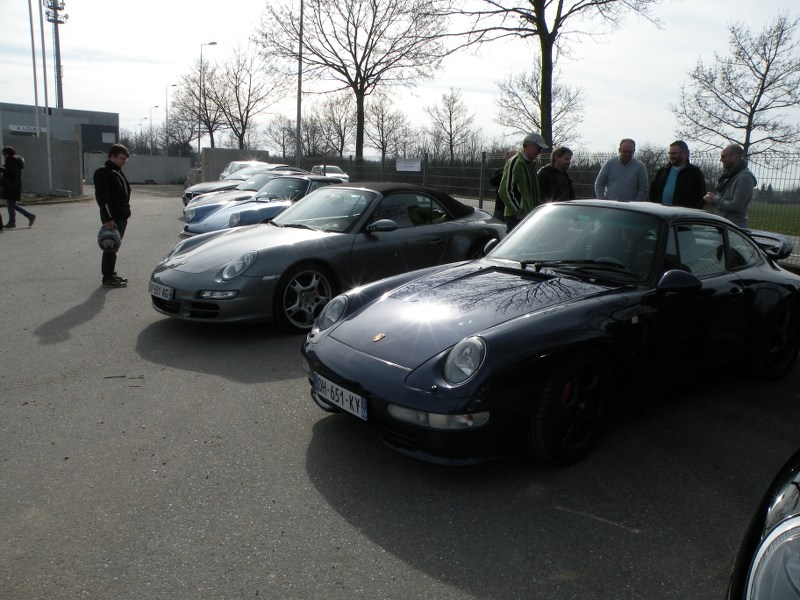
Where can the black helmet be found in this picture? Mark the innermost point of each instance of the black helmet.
(108, 239)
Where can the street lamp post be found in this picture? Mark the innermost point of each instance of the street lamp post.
(151, 128)
(166, 115)
(200, 95)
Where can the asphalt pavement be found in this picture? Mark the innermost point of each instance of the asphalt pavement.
(145, 458)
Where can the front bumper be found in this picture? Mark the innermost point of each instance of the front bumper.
(253, 302)
(382, 384)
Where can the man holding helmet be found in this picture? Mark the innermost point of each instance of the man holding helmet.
(113, 194)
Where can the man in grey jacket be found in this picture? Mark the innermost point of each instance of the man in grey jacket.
(734, 190)
(622, 177)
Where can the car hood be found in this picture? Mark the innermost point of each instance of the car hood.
(212, 186)
(225, 247)
(428, 315)
(223, 196)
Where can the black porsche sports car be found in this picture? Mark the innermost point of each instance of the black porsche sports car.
(767, 566)
(584, 308)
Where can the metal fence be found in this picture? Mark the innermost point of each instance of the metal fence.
(775, 206)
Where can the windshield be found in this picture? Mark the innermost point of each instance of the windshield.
(588, 238)
(284, 188)
(256, 182)
(328, 208)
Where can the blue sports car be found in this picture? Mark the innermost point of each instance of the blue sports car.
(273, 198)
(581, 310)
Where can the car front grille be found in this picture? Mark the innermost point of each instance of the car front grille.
(192, 310)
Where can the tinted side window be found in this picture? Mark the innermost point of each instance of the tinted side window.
(700, 249)
(742, 252)
(409, 210)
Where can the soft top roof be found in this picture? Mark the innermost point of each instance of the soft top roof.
(453, 206)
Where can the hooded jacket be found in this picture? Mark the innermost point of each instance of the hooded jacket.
(112, 193)
(11, 178)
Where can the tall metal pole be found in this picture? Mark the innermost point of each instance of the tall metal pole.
(166, 115)
(46, 104)
(56, 19)
(298, 145)
(151, 128)
(200, 95)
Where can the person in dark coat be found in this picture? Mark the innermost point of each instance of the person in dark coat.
(679, 183)
(113, 195)
(11, 187)
(554, 179)
(494, 180)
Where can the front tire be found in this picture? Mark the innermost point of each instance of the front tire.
(302, 293)
(779, 342)
(569, 414)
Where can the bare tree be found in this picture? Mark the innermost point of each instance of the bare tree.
(552, 23)
(359, 44)
(520, 101)
(312, 137)
(740, 97)
(242, 89)
(187, 105)
(384, 127)
(451, 123)
(338, 121)
(280, 132)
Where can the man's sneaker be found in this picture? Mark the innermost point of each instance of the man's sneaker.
(114, 282)
(122, 279)
(10, 225)
(31, 219)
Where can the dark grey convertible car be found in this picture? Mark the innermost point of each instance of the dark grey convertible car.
(335, 238)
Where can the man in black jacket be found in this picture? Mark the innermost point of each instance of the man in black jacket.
(679, 183)
(113, 194)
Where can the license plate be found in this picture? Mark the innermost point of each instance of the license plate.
(339, 396)
(160, 291)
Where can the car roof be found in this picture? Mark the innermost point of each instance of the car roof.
(665, 212)
(453, 206)
(310, 176)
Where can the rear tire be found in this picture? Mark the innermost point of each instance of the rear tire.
(779, 341)
(568, 416)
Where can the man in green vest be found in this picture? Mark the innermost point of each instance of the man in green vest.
(519, 187)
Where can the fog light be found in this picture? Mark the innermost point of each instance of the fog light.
(218, 294)
(436, 420)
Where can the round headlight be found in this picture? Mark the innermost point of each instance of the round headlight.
(330, 315)
(464, 360)
(775, 572)
(188, 215)
(239, 266)
(234, 220)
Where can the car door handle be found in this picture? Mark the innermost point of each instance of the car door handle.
(735, 291)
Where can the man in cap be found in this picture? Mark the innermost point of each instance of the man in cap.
(519, 187)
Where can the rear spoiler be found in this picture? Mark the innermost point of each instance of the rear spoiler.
(777, 246)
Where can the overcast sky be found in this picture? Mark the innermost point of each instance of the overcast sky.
(121, 58)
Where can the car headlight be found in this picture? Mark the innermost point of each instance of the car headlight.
(240, 265)
(188, 215)
(775, 571)
(331, 314)
(234, 220)
(464, 360)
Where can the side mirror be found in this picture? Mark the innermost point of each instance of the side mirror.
(381, 225)
(678, 285)
(490, 245)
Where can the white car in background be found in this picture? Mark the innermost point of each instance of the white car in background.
(235, 165)
(331, 171)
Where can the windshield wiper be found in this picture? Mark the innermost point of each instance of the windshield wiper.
(580, 265)
(297, 226)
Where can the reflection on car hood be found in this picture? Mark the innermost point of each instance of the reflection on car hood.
(431, 314)
(221, 249)
(222, 197)
(211, 186)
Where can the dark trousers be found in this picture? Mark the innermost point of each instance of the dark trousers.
(109, 261)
